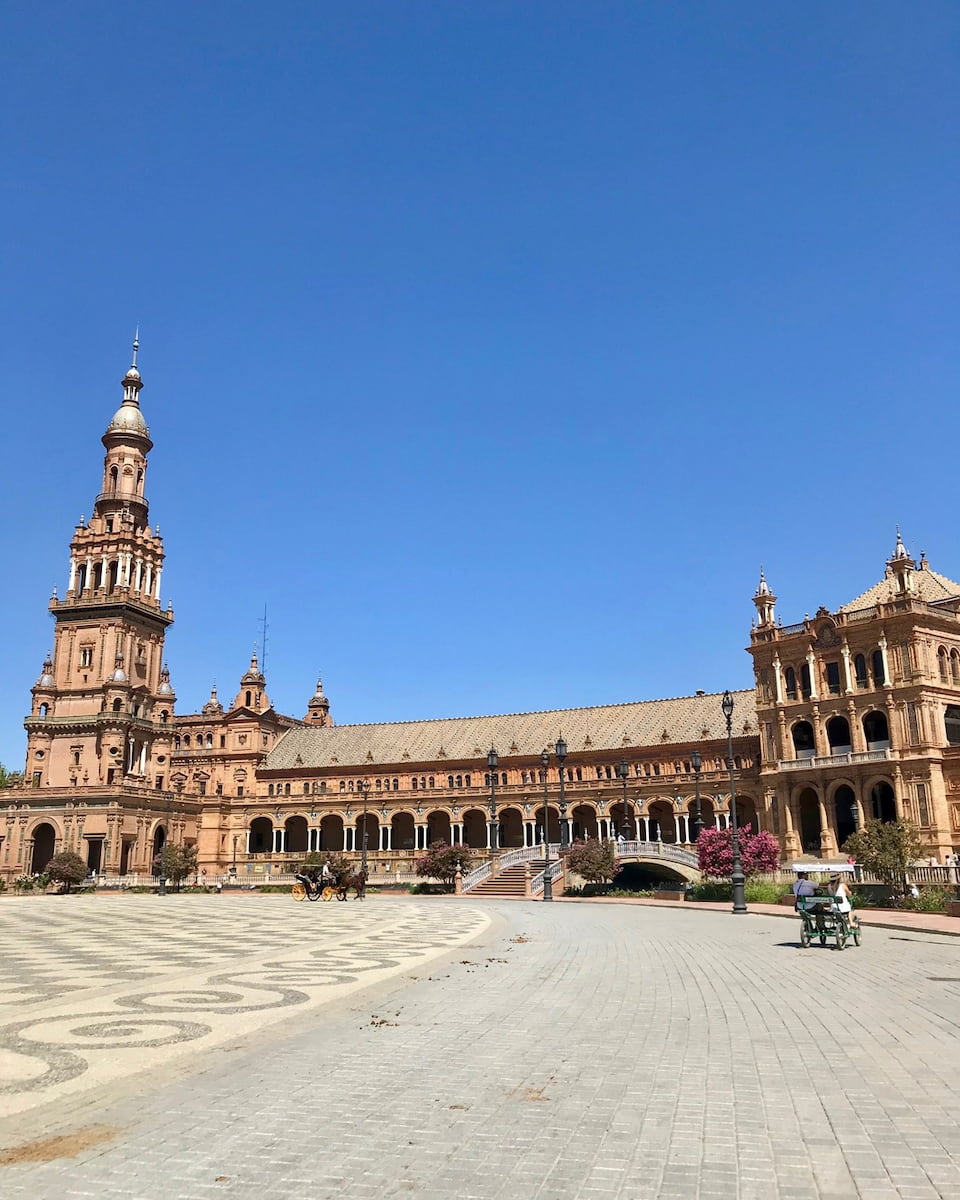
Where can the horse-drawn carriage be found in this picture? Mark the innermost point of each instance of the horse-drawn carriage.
(313, 885)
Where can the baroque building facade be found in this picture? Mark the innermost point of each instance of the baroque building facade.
(854, 714)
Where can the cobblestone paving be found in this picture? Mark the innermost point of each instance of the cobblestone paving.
(568, 1051)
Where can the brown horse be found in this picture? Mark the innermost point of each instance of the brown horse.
(358, 882)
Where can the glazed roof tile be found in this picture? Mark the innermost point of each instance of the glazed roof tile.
(929, 586)
(603, 728)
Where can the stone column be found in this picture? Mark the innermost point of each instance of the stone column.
(812, 665)
(828, 841)
(777, 680)
(847, 673)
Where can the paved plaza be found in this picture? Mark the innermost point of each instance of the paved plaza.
(447, 1049)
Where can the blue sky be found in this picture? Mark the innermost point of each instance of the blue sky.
(492, 346)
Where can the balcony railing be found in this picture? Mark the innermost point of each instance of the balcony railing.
(834, 760)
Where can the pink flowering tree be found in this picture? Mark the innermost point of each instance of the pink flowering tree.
(759, 852)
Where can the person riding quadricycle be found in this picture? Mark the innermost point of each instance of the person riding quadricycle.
(825, 911)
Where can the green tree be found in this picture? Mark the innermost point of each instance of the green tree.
(67, 868)
(441, 861)
(886, 849)
(593, 860)
(9, 778)
(176, 863)
(316, 858)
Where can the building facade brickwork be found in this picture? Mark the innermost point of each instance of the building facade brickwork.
(854, 714)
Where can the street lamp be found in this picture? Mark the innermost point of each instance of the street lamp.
(547, 881)
(737, 879)
(363, 787)
(697, 762)
(623, 774)
(560, 749)
(493, 762)
(233, 866)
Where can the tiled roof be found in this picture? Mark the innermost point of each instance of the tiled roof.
(928, 585)
(604, 728)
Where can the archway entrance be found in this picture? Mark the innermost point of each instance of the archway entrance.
(475, 829)
(882, 802)
(44, 840)
(438, 827)
(331, 832)
(663, 827)
(403, 832)
(553, 823)
(511, 829)
(706, 816)
(845, 809)
(809, 806)
(747, 814)
(159, 841)
(584, 822)
(372, 832)
(260, 839)
(295, 835)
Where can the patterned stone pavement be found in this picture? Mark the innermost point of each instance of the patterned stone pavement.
(561, 1051)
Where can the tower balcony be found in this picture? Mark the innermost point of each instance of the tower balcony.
(834, 760)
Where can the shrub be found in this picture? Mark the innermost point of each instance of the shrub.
(23, 883)
(931, 899)
(67, 868)
(762, 891)
(759, 852)
(710, 891)
(594, 861)
(441, 861)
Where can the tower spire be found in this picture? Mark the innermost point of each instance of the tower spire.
(136, 345)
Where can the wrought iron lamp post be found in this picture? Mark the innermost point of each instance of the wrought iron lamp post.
(697, 762)
(560, 749)
(363, 787)
(547, 881)
(493, 762)
(737, 878)
(623, 774)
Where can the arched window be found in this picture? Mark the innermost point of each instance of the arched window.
(396, 785)
(860, 671)
(414, 782)
(176, 743)
(209, 741)
(954, 667)
(350, 785)
(343, 785)
(790, 680)
(306, 789)
(44, 709)
(186, 741)
(838, 735)
(113, 478)
(269, 789)
(942, 663)
(449, 781)
(249, 699)
(876, 662)
(164, 716)
(466, 781)
(286, 789)
(876, 731)
(430, 782)
(805, 689)
(117, 704)
(803, 741)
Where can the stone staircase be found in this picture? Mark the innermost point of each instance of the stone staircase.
(510, 884)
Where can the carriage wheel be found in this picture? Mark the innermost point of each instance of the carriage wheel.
(314, 895)
(856, 934)
(841, 937)
(328, 893)
(298, 891)
(805, 938)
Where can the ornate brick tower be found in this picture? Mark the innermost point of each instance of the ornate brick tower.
(100, 732)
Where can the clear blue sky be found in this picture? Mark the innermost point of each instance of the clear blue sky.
(492, 345)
